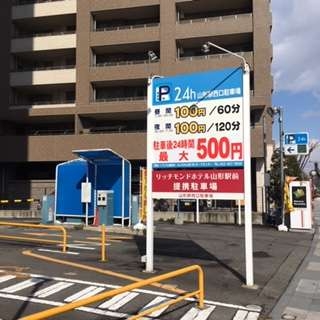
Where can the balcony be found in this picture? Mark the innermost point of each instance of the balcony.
(44, 105)
(58, 147)
(43, 77)
(23, 9)
(44, 42)
(222, 25)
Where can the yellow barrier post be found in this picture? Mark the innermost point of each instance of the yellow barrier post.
(102, 296)
(103, 243)
(37, 226)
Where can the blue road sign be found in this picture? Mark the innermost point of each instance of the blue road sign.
(296, 138)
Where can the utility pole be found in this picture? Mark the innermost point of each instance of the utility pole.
(279, 111)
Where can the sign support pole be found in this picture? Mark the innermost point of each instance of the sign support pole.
(87, 204)
(149, 223)
(247, 177)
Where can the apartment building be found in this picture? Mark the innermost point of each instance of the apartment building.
(74, 76)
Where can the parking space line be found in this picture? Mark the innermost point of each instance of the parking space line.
(85, 293)
(6, 278)
(240, 315)
(198, 314)
(22, 285)
(46, 292)
(156, 301)
(58, 251)
(118, 301)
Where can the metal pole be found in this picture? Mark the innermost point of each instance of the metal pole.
(239, 213)
(281, 227)
(103, 243)
(247, 176)
(87, 204)
(197, 211)
(149, 222)
(247, 165)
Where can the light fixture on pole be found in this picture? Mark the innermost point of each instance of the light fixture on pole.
(152, 56)
(246, 158)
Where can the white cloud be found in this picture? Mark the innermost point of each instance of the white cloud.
(296, 45)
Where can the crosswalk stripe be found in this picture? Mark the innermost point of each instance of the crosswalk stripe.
(198, 314)
(6, 278)
(118, 301)
(85, 293)
(240, 315)
(253, 316)
(156, 301)
(22, 285)
(46, 292)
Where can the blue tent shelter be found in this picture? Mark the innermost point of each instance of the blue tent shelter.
(100, 169)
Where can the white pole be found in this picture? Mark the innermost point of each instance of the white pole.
(197, 212)
(247, 176)
(149, 224)
(87, 204)
(239, 213)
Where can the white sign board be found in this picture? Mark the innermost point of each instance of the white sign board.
(300, 197)
(196, 122)
(86, 192)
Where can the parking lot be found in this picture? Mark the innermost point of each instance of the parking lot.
(36, 276)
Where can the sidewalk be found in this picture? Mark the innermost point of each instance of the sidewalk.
(301, 300)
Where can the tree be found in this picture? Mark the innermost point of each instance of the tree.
(291, 167)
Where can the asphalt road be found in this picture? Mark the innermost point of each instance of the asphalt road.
(29, 284)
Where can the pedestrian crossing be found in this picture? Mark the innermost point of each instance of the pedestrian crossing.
(57, 291)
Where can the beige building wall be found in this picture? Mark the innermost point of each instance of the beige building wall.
(47, 110)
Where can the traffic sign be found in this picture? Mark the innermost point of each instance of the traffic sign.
(296, 143)
(296, 138)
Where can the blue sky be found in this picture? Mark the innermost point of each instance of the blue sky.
(296, 66)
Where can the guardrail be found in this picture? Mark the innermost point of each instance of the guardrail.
(37, 226)
(173, 274)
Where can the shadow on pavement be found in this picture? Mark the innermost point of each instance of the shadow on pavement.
(187, 249)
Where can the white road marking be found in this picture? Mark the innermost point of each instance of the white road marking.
(118, 301)
(6, 278)
(253, 316)
(46, 292)
(162, 294)
(57, 304)
(58, 251)
(240, 315)
(85, 293)
(78, 246)
(198, 314)
(153, 303)
(22, 285)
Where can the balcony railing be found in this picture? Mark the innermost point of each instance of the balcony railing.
(49, 132)
(127, 27)
(24, 2)
(214, 56)
(139, 98)
(112, 130)
(123, 63)
(43, 34)
(218, 18)
(30, 69)
(44, 102)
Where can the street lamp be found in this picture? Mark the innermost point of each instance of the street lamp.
(279, 112)
(152, 56)
(246, 157)
(206, 49)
